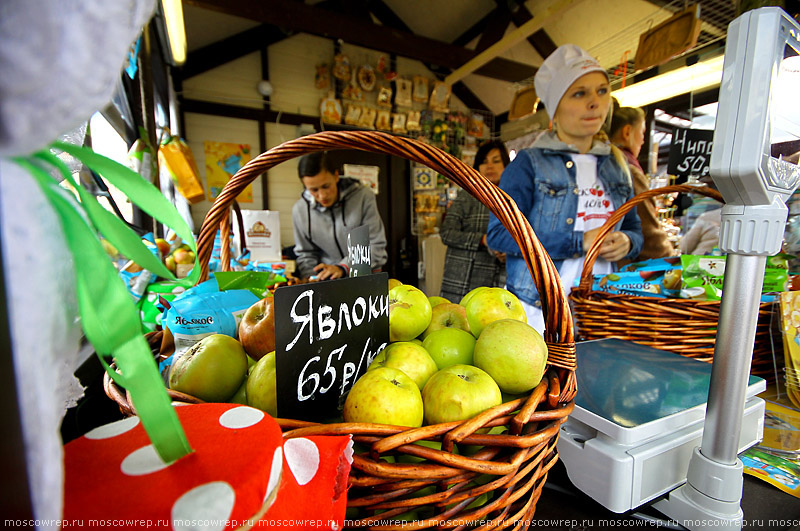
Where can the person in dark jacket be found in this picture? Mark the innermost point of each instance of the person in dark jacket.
(469, 263)
(327, 210)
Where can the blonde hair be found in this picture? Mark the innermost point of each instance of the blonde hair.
(619, 156)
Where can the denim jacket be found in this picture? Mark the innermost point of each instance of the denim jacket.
(541, 179)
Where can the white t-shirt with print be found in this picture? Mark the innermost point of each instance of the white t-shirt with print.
(594, 209)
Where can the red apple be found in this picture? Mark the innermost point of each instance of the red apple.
(257, 329)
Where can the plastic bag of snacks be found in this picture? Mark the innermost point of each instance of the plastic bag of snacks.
(137, 278)
(685, 276)
(703, 275)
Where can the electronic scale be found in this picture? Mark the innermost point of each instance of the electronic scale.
(754, 163)
(638, 417)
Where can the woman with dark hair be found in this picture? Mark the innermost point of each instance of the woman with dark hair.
(328, 209)
(469, 263)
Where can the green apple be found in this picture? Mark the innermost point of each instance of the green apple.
(450, 346)
(459, 392)
(492, 304)
(212, 369)
(465, 299)
(384, 396)
(409, 313)
(261, 385)
(437, 300)
(408, 357)
(513, 353)
(447, 315)
(240, 396)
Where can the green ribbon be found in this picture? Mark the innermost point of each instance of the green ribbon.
(108, 314)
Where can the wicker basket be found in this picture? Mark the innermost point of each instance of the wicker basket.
(499, 485)
(687, 327)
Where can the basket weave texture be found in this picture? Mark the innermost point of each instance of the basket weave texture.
(685, 326)
(479, 479)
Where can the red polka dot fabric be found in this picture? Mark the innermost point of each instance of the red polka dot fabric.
(241, 474)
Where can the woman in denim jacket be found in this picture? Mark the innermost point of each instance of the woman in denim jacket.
(569, 182)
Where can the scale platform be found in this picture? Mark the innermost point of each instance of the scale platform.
(638, 416)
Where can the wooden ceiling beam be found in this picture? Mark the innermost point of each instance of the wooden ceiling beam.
(389, 18)
(230, 48)
(540, 40)
(296, 16)
(496, 27)
(556, 9)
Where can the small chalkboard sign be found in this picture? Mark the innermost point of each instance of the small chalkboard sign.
(359, 252)
(326, 335)
(690, 152)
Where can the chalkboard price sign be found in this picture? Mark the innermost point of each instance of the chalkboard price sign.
(690, 152)
(359, 252)
(326, 335)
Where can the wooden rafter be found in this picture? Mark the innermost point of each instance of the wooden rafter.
(228, 49)
(389, 18)
(540, 40)
(555, 9)
(298, 16)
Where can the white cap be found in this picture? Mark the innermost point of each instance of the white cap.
(559, 71)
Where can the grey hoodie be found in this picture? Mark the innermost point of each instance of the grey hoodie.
(320, 233)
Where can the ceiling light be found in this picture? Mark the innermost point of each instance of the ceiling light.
(693, 78)
(176, 32)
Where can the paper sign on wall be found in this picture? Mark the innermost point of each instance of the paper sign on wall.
(368, 175)
(262, 234)
(223, 160)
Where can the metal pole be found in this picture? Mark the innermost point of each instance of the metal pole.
(733, 355)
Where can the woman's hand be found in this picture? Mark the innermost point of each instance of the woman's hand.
(328, 271)
(615, 246)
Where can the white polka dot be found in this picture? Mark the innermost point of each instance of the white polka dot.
(204, 508)
(241, 417)
(348, 452)
(302, 456)
(115, 428)
(275, 472)
(177, 290)
(143, 461)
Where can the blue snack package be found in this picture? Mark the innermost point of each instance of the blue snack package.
(197, 315)
(135, 277)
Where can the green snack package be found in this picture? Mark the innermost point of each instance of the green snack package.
(704, 275)
(149, 306)
(258, 282)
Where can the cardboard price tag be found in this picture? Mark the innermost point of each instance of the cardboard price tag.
(359, 251)
(326, 335)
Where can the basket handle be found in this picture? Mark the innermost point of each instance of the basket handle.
(558, 319)
(608, 227)
(225, 236)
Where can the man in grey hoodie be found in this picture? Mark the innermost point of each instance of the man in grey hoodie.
(327, 210)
